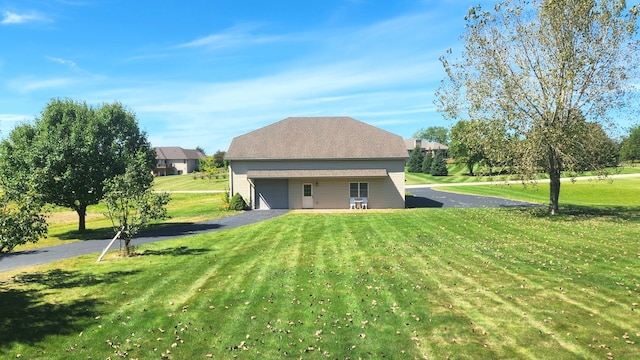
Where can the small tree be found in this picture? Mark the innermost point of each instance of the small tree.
(415, 160)
(439, 166)
(237, 203)
(131, 202)
(426, 163)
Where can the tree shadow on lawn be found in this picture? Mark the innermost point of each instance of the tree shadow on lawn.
(178, 251)
(155, 230)
(573, 212)
(27, 317)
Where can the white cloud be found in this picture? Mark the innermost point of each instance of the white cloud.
(9, 121)
(239, 35)
(29, 84)
(15, 18)
(382, 74)
(68, 63)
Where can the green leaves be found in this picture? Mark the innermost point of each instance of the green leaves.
(131, 202)
(531, 69)
(70, 150)
(21, 221)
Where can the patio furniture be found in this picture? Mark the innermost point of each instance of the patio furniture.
(352, 203)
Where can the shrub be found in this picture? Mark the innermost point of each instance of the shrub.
(225, 201)
(237, 203)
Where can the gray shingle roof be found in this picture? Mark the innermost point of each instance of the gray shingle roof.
(290, 174)
(177, 153)
(317, 138)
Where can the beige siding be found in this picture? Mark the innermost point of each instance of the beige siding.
(328, 193)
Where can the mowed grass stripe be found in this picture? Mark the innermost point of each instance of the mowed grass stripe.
(471, 283)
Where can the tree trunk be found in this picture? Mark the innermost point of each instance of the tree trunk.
(555, 167)
(82, 216)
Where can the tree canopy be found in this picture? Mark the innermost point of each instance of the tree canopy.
(535, 68)
(21, 220)
(630, 149)
(131, 202)
(439, 134)
(70, 150)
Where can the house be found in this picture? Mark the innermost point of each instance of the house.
(318, 162)
(431, 146)
(173, 160)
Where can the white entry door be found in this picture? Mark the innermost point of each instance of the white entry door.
(307, 196)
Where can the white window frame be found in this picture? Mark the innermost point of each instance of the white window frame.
(359, 189)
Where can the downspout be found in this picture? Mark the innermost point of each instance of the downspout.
(252, 191)
(230, 179)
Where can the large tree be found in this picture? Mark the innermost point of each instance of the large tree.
(465, 147)
(532, 65)
(630, 149)
(439, 134)
(72, 148)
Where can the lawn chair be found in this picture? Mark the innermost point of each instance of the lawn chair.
(364, 203)
(352, 203)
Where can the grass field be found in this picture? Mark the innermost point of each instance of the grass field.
(459, 174)
(183, 208)
(190, 182)
(618, 192)
(418, 283)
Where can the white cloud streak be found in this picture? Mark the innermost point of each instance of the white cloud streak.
(9, 18)
(9, 121)
(29, 84)
(239, 35)
(68, 63)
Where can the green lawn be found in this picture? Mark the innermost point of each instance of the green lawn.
(459, 174)
(603, 193)
(191, 182)
(418, 283)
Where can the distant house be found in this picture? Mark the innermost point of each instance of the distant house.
(318, 163)
(430, 146)
(173, 160)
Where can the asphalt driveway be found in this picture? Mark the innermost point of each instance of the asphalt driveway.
(18, 259)
(426, 197)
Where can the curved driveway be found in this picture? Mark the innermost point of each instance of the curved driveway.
(45, 255)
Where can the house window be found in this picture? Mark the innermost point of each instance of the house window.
(306, 190)
(358, 190)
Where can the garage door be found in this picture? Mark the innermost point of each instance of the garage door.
(272, 193)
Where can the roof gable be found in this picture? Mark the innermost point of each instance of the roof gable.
(317, 138)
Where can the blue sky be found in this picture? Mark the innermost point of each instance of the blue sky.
(199, 72)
